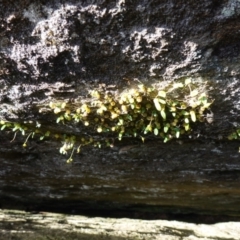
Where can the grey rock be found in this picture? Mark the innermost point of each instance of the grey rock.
(58, 50)
(20, 225)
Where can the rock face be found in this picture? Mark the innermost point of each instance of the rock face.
(20, 225)
(60, 49)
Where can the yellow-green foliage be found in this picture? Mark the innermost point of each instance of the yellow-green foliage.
(234, 136)
(138, 112)
(30, 129)
(165, 112)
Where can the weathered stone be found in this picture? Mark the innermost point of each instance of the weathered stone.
(61, 49)
(20, 225)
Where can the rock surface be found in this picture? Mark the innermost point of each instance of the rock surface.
(150, 180)
(55, 50)
(20, 225)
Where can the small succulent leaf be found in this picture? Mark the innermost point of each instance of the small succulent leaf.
(157, 104)
(165, 129)
(186, 126)
(38, 125)
(163, 114)
(166, 139)
(57, 110)
(207, 105)
(238, 132)
(51, 105)
(59, 119)
(187, 81)
(63, 105)
(47, 134)
(162, 101)
(177, 133)
(177, 85)
(99, 129)
(230, 137)
(162, 94)
(15, 129)
(194, 93)
(193, 116)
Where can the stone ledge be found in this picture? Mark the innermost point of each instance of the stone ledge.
(22, 225)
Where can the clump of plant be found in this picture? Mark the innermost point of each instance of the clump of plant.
(235, 135)
(29, 129)
(165, 112)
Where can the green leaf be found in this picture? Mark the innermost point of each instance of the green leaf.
(235, 135)
(203, 99)
(230, 137)
(185, 113)
(38, 125)
(165, 129)
(2, 122)
(155, 131)
(120, 136)
(63, 105)
(69, 160)
(166, 139)
(162, 94)
(162, 101)
(62, 150)
(57, 110)
(157, 104)
(187, 127)
(99, 129)
(67, 117)
(194, 93)
(177, 133)
(129, 117)
(149, 128)
(187, 81)
(193, 116)
(238, 132)
(207, 105)
(177, 85)
(3, 126)
(42, 137)
(163, 114)
(59, 119)
(47, 133)
(14, 129)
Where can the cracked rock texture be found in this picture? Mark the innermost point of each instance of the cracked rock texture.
(60, 49)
